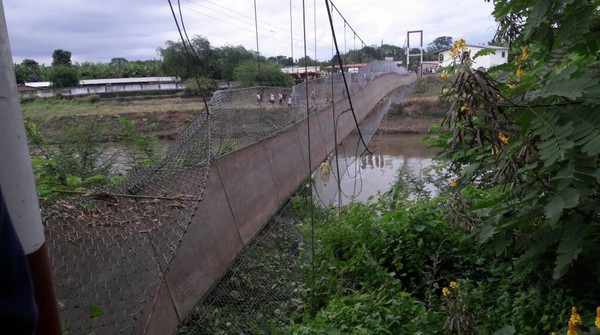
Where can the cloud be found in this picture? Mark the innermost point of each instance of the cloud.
(134, 29)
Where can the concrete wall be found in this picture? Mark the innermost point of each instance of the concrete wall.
(244, 189)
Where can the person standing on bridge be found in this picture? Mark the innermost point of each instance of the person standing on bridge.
(272, 99)
(258, 99)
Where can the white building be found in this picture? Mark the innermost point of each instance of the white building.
(500, 56)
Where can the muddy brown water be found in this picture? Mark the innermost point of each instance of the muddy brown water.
(364, 177)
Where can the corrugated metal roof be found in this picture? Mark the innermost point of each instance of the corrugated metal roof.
(110, 81)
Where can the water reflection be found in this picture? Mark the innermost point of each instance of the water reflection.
(369, 175)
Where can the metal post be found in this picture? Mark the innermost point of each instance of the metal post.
(408, 54)
(16, 178)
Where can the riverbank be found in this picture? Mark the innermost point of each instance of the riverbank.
(414, 115)
(166, 117)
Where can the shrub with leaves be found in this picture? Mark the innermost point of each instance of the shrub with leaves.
(532, 128)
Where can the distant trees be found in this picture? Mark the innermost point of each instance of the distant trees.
(28, 71)
(64, 76)
(439, 44)
(201, 60)
(120, 68)
(229, 57)
(63, 73)
(246, 74)
(198, 60)
(61, 57)
(307, 61)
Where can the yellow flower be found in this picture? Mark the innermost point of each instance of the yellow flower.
(443, 75)
(516, 59)
(525, 52)
(503, 138)
(575, 318)
(453, 284)
(464, 108)
(553, 333)
(445, 90)
(445, 291)
(597, 322)
(495, 150)
(520, 72)
(456, 47)
(452, 184)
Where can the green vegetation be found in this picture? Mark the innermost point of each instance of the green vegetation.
(510, 244)
(78, 162)
(247, 74)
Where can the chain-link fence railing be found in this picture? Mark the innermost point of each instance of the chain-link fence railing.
(110, 249)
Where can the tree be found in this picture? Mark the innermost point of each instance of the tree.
(307, 61)
(192, 59)
(246, 74)
(64, 76)
(229, 57)
(530, 129)
(439, 44)
(28, 71)
(393, 51)
(61, 57)
(282, 61)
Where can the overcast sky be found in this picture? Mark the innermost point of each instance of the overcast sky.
(98, 31)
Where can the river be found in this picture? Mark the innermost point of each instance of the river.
(365, 176)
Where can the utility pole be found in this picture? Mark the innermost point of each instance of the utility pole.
(16, 179)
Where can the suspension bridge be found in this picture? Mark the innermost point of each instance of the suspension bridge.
(137, 257)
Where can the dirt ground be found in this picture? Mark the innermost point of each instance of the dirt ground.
(167, 118)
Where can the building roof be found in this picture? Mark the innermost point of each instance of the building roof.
(110, 81)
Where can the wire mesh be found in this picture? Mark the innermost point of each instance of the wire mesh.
(261, 289)
(110, 249)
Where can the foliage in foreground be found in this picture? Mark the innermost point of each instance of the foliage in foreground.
(400, 266)
(514, 240)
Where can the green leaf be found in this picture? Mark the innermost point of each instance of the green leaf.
(95, 311)
(506, 330)
(592, 147)
(570, 89)
(73, 180)
(568, 248)
(554, 208)
(570, 197)
(486, 232)
(484, 52)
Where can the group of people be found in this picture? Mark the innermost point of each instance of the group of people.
(280, 97)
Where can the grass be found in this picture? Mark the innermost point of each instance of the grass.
(429, 86)
(60, 107)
